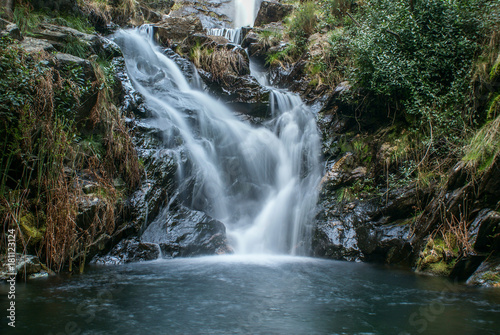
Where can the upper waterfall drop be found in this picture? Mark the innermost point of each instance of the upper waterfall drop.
(261, 182)
(245, 12)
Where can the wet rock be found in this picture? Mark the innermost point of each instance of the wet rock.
(488, 273)
(485, 234)
(361, 230)
(129, 251)
(176, 29)
(271, 11)
(182, 232)
(465, 267)
(243, 93)
(26, 267)
(224, 68)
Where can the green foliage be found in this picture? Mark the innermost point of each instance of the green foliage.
(303, 24)
(335, 11)
(484, 146)
(419, 62)
(25, 18)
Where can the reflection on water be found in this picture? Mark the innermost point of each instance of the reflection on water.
(253, 295)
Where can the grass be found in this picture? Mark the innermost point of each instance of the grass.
(484, 146)
(41, 196)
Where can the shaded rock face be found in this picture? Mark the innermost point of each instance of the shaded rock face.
(176, 29)
(364, 230)
(210, 12)
(182, 232)
(129, 251)
(271, 11)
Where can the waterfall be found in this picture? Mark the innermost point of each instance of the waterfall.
(232, 35)
(261, 182)
(245, 12)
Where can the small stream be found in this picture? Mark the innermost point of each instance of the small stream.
(253, 295)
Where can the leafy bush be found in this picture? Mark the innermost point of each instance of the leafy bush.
(419, 62)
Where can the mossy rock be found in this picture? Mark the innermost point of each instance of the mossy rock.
(495, 71)
(29, 228)
(438, 258)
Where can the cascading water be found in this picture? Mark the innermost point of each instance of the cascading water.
(232, 35)
(244, 15)
(261, 182)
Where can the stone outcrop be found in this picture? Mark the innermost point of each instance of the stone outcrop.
(272, 11)
(176, 29)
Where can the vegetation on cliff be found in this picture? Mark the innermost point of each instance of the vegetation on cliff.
(67, 159)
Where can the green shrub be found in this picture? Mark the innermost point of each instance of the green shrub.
(419, 62)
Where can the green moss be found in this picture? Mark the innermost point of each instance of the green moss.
(439, 257)
(29, 229)
(494, 108)
(495, 71)
(440, 268)
(491, 277)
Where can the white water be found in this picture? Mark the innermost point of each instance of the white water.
(260, 182)
(245, 12)
(232, 35)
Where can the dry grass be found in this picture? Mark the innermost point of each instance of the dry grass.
(46, 182)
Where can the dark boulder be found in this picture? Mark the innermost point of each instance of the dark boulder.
(176, 29)
(129, 251)
(182, 232)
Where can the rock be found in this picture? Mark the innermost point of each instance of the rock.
(465, 267)
(27, 266)
(272, 12)
(319, 45)
(176, 29)
(224, 67)
(151, 15)
(35, 45)
(338, 172)
(69, 61)
(486, 236)
(488, 273)
(359, 230)
(10, 29)
(161, 6)
(129, 251)
(182, 232)
(60, 34)
(243, 93)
